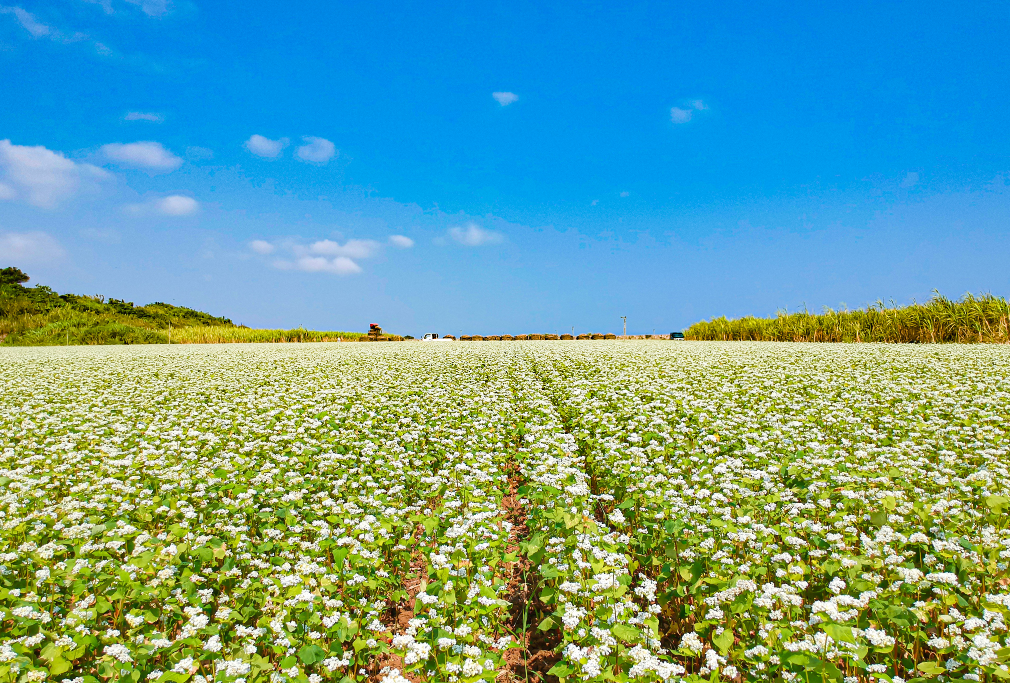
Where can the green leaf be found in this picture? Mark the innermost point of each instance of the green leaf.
(560, 670)
(58, 666)
(931, 668)
(798, 658)
(842, 634)
(625, 633)
(723, 641)
(310, 654)
(288, 662)
(996, 503)
(50, 652)
(550, 572)
(546, 624)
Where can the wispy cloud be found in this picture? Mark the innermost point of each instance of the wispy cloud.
(475, 236)
(174, 205)
(38, 29)
(265, 147)
(28, 21)
(106, 5)
(27, 248)
(910, 180)
(316, 150)
(43, 177)
(505, 98)
(144, 116)
(324, 256)
(686, 112)
(152, 8)
(148, 155)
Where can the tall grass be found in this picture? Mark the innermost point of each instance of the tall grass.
(971, 319)
(64, 325)
(237, 335)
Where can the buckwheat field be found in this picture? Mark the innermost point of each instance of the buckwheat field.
(504, 511)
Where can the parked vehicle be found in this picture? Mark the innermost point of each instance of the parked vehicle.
(435, 338)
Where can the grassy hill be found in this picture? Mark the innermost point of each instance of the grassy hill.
(985, 318)
(38, 316)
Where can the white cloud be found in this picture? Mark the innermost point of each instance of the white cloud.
(27, 21)
(911, 179)
(505, 98)
(475, 236)
(41, 176)
(316, 150)
(261, 247)
(401, 241)
(177, 205)
(350, 248)
(625, 194)
(25, 248)
(341, 265)
(144, 116)
(148, 155)
(684, 114)
(322, 256)
(152, 8)
(265, 147)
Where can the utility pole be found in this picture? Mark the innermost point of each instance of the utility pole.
(625, 319)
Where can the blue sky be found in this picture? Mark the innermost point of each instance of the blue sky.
(505, 168)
